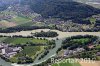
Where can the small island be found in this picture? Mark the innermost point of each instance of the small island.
(46, 34)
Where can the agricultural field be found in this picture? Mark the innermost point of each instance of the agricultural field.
(6, 24)
(97, 47)
(24, 41)
(39, 24)
(20, 20)
(2, 39)
(82, 40)
(98, 57)
(76, 42)
(30, 51)
(11, 19)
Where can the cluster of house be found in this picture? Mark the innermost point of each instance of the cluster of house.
(5, 16)
(38, 18)
(8, 51)
(97, 17)
(67, 53)
(22, 10)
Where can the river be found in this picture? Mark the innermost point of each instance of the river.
(52, 52)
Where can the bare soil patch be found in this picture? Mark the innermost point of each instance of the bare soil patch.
(7, 24)
(96, 63)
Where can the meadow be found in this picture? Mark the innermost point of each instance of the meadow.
(23, 41)
(2, 39)
(20, 20)
(81, 40)
(29, 51)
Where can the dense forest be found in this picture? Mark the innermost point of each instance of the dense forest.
(46, 34)
(4, 4)
(63, 9)
(2, 7)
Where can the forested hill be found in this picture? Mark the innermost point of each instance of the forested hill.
(2, 7)
(64, 9)
(4, 4)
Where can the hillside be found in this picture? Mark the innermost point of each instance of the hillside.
(94, 3)
(63, 9)
(5, 3)
(64, 15)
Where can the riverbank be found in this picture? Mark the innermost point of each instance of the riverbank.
(60, 33)
(52, 52)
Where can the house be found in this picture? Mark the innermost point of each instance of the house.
(98, 54)
(91, 46)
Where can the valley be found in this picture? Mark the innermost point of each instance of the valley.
(32, 32)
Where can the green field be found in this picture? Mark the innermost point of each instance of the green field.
(98, 57)
(2, 38)
(98, 47)
(30, 51)
(20, 20)
(92, 20)
(22, 41)
(82, 40)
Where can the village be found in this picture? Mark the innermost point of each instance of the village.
(7, 51)
(24, 14)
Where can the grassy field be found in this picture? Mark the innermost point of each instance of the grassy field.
(98, 57)
(30, 51)
(7, 24)
(22, 41)
(2, 39)
(92, 20)
(98, 46)
(20, 20)
(82, 40)
(27, 24)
